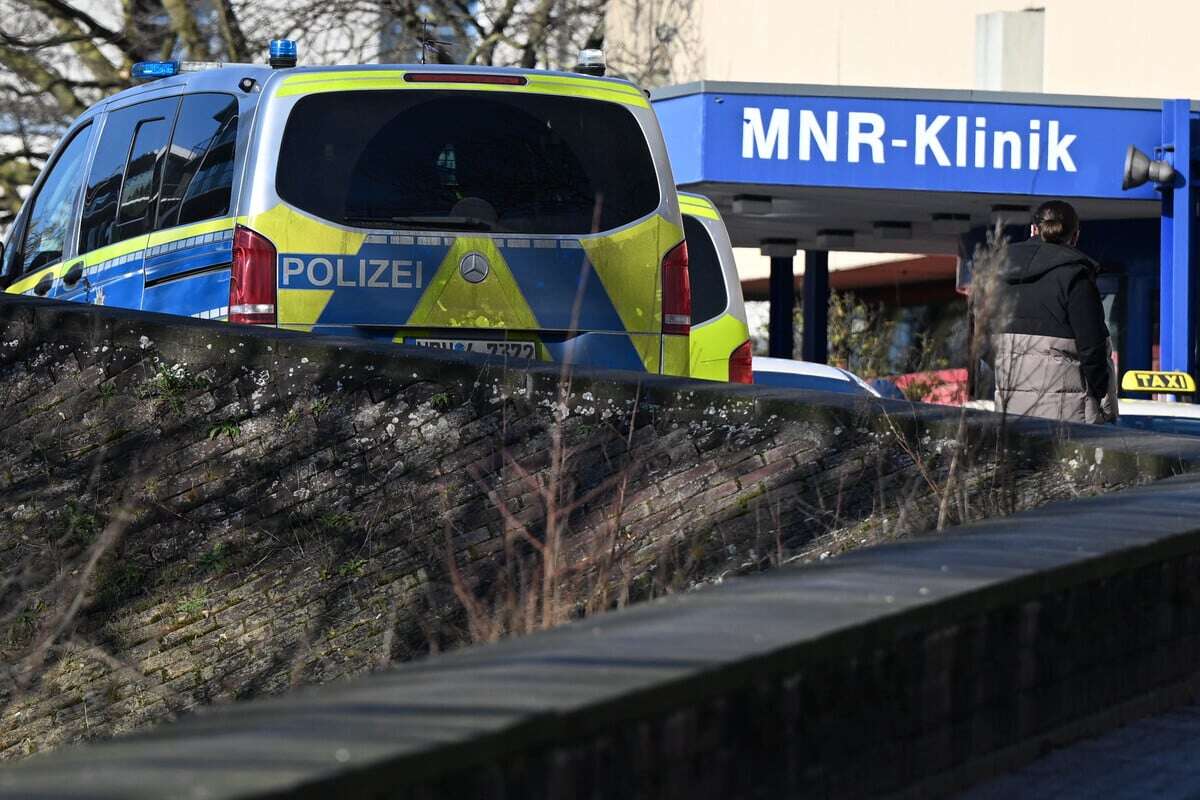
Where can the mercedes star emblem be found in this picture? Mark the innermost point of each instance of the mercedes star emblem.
(474, 267)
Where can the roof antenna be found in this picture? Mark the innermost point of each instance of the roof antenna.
(428, 43)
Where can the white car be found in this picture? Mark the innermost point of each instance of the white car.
(1160, 417)
(786, 373)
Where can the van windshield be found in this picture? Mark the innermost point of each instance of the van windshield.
(462, 160)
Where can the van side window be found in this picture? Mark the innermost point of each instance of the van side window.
(198, 178)
(53, 210)
(117, 150)
(704, 269)
(141, 178)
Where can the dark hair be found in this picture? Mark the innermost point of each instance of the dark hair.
(1057, 222)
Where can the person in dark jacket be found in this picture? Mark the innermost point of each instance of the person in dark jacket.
(1053, 355)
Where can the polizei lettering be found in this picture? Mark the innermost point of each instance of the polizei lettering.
(940, 140)
(317, 272)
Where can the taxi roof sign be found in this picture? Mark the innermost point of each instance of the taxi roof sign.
(1140, 380)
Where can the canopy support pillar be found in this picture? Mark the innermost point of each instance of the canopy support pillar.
(815, 305)
(782, 291)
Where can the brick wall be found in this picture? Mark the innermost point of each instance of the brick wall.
(890, 713)
(192, 514)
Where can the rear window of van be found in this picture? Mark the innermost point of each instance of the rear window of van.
(462, 160)
(709, 298)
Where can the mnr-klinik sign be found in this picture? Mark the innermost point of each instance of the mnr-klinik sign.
(997, 148)
(929, 139)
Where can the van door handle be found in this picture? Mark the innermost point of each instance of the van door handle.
(73, 274)
(44, 285)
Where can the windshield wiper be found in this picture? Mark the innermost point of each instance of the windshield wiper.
(435, 222)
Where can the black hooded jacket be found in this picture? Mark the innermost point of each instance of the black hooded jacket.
(1052, 291)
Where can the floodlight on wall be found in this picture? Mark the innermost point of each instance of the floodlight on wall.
(751, 204)
(1140, 168)
(893, 230)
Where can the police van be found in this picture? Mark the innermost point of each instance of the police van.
(720, 338)
(505, 211)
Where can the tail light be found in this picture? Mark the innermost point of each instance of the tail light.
(741, 363)
(677, 292)
(252, 280)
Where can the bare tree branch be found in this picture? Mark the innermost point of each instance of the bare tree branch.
(539, 25)
(183, 21)
(231, 31)
(64, 10)
(97, 63)
(42, 77)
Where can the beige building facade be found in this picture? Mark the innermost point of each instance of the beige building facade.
(1080, 47)
(1093, 47)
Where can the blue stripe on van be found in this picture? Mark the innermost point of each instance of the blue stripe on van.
(550, 281)
(188, 259)
(199, 295)
(608, 350)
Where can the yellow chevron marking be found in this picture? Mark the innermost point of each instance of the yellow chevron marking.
(301, 308)
(628, 265)
(648, 347)
(451, 301)
(293, 232)
(675, 355)
(712, 343)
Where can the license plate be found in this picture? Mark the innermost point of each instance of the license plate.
(509, 349)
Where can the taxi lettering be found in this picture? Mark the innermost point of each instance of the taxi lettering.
(1148, 381)
(338, 271)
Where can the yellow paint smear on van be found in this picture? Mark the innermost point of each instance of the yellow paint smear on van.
(561, 85)
(299, 309)
(450, 301)
(293, 232)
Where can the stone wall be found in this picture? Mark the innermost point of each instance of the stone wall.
(192, 513)
(907, 670)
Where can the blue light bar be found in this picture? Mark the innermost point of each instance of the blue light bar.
(283, 53)
(283, 47)
(149, 70)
